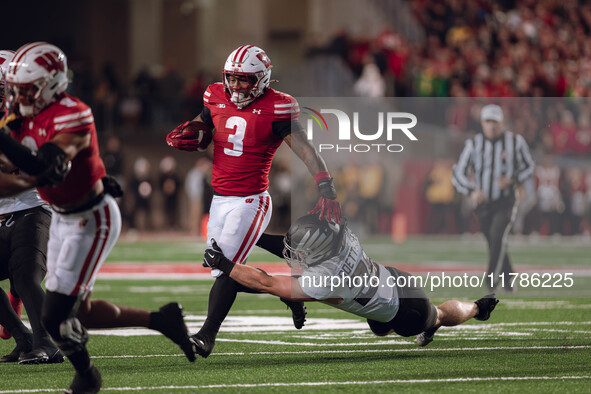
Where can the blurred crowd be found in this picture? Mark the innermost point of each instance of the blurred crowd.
(156, 96)
(472, 49)
(484, 48)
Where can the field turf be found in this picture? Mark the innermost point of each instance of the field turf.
(535, 341)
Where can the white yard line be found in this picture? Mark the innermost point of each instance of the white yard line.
(346, 383)
(409, 350)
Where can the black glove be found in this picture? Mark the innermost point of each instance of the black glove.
(214, 258)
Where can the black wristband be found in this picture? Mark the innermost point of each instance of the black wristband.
(327, 189)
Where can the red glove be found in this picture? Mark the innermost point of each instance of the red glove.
(328, 205)
(190, 136)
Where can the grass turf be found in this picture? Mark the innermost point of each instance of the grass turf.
(529, 344)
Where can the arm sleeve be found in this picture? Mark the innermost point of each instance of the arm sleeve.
(460, 169)
(283, 128)
(21, 156)
(206, 117)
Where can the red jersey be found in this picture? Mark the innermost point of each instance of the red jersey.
(66, 115)
(244, 141)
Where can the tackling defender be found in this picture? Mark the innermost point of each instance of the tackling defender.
(318, 250)
(59, 149)
(251, 120)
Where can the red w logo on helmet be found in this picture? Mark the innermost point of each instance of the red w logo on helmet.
(264, 59)
(51, 61)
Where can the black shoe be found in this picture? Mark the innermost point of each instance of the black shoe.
(174, 328)
(16, 353)
(485, 306)
(40, 356)
(202, 346)
(298, 312)
(423, 339)
(89, 382)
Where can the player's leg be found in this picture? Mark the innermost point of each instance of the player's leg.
(78, 245)
(485, 222)
(17, 306)
(502, 220)
(9, 320)
(70, 336)
(454, 312)
(13, 324)
(168, 320)
(28, 268)
(415, 312)
(235, 223)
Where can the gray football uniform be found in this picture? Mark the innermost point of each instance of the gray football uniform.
(354, 277)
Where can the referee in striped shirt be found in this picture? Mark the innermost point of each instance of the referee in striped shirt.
(491, 167)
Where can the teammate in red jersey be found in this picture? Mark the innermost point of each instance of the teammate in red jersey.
(59, 149)
(251, 120)
(24, 230)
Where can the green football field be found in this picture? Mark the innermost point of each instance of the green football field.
(537, 340)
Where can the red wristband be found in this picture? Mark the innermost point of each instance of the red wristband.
(320, 176)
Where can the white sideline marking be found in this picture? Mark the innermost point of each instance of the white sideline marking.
(346, 383)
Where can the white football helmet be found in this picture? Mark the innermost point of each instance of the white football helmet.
(36, 75)
(5, 59)
(251, 62)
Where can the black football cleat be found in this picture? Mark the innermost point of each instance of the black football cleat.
(174, 328)
(423, 339)
(89, 382)
(202, 346)
(298, 312)
(17, 352)
(485, 306)
(40, 356)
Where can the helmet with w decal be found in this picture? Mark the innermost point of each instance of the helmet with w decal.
(251, 64)
(35, 77)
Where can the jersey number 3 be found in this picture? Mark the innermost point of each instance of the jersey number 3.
(238, 125)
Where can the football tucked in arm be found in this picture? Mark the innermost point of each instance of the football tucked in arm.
(190, 136)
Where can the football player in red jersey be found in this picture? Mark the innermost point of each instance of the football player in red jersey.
(251, 120)
(59, 150)
(24, 230)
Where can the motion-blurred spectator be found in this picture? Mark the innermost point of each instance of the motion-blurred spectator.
(169, 182)
(198, 189)
(142, 190)
(146, 88)
(577, 200)
(371, 83)
(193, 96)
(106, 95)
(171, 90)
(563, 133)
(113, 159)
(439, 193)
(550, 203)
